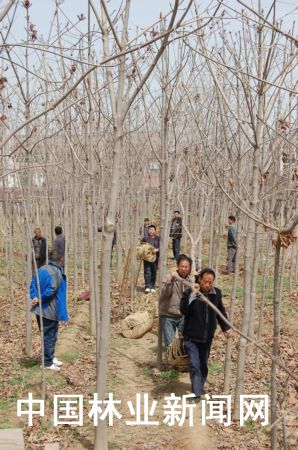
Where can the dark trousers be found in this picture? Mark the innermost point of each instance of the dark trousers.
(231, 258)
(150, 270)
(38, 264)
(176, 247)
(50, 334)
(198, 354)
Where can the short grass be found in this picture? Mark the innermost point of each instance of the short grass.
(169, 375)
(119, 343)
(214, 368)
(113, 445)
(22, 379)
(70, 357)
(114, 380)
(8, 409)
(146, 371)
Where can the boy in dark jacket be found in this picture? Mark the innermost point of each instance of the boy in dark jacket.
(150, 267)
(200, 322)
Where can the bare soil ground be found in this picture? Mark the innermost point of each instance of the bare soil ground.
(132, 370)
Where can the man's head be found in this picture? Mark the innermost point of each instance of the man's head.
(55, 256)
(176, 213)
(184, 264)
(58, 230)
(152, 230)
(37, 232)
(231, 220)
(146, 221)
(206, 279)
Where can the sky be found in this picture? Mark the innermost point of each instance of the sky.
(143, 12)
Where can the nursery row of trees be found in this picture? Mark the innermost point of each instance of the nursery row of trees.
(102, 125)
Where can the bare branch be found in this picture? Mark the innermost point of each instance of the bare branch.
(6, 9)
(271, 25)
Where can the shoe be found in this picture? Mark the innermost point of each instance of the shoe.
(152, 290)
(53, 367)
(147, 290)
(195, 399)
(57, 362)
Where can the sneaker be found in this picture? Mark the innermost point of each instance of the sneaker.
(147, 290)
(153, 290)
(53, 367)
(57, 362)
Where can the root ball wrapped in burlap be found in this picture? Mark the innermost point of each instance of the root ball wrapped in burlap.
(146, 252)
(177, 356)
(136, 325)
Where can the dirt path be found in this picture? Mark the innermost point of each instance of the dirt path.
(137, 374)
(132, 371)
(198, 437)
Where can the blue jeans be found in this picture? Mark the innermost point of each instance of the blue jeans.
(176, 247)
(198, 354)
(169, 325)
(50, 334)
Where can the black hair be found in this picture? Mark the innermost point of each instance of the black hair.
(58, 229)
(152, 226)
(55, 255)
(177, 211)
(233, 218)
(202, 273)
(183, 257)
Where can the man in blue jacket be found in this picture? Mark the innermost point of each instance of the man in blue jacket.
(53, 299)
(200, 323)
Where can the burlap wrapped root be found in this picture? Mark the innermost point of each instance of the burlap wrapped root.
(177, 356)
(136, 325)
(146, 252)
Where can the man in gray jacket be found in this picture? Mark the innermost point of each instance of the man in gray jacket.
(231, 244)
(59, 244)
(169, 302)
